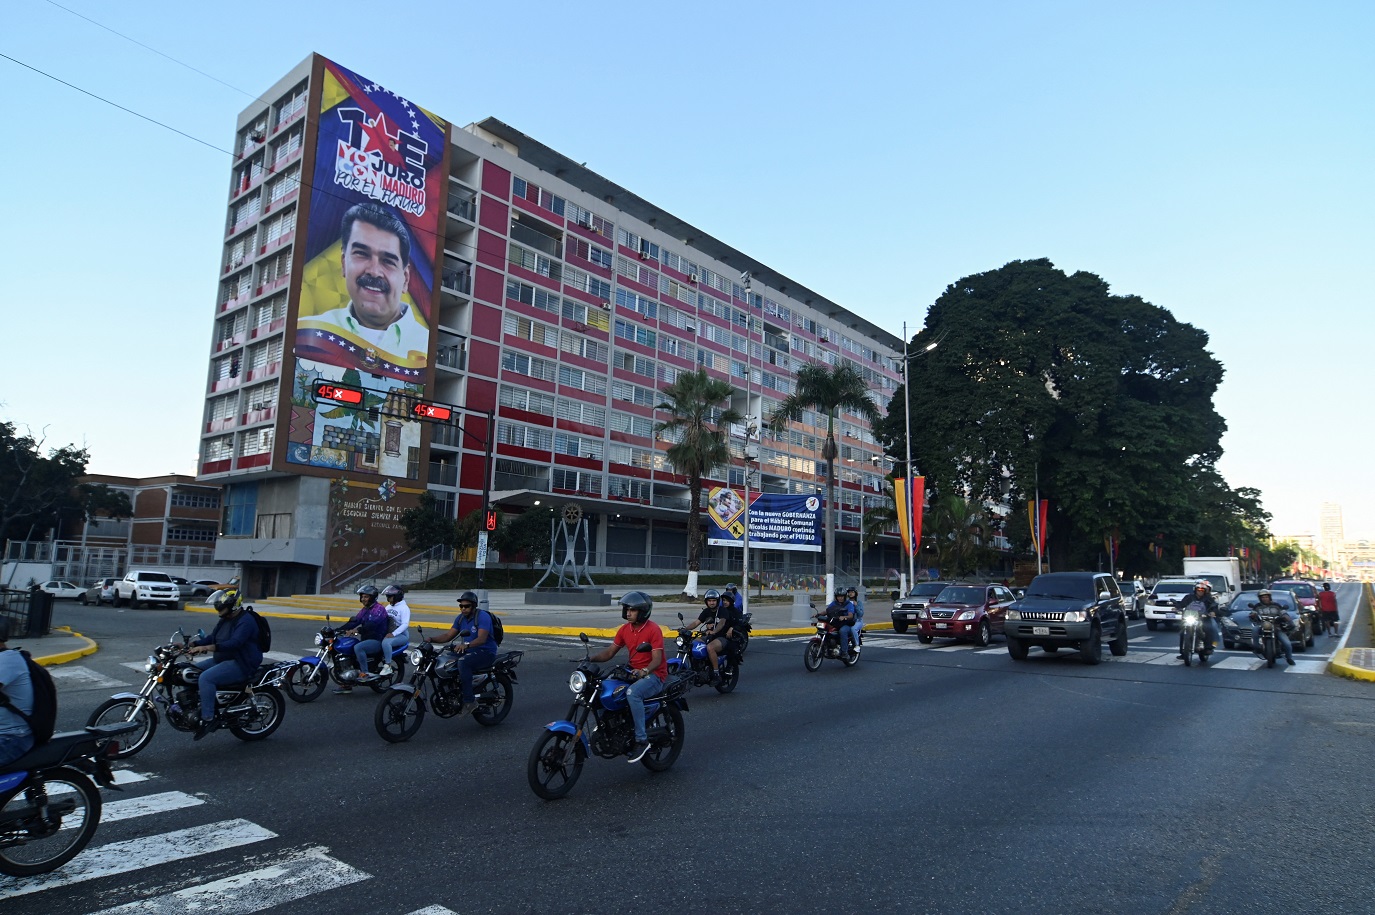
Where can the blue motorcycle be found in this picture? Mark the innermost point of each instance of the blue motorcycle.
(599, 722)
(694, 662)
(334, 660)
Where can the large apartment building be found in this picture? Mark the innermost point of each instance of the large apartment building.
(378, 258)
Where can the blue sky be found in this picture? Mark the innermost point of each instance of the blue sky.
(1214, 158)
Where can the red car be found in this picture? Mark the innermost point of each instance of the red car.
(970, 612)
(1304, 592)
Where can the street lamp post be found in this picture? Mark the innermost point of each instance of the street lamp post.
(907, 415)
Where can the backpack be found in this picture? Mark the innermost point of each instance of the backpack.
(264, 630)
(44, 716)
(498, 630)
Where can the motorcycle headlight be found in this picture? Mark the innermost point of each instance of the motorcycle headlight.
(413, 655)
(151, 664)
(578, 681)
(681, 642)
(319, 639)
(1191, 619)
(966, 615)
(1014, 614)
(1075, 616)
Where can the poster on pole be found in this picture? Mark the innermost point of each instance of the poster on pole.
(777, 522)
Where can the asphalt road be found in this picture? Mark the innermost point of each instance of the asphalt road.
(925, 779)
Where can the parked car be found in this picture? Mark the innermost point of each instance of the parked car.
(1160, 606)
(974, 612)
(192, 589)
(1236, 627)
(1068, 610)
(140, 587)
(62, 589)
(101, 592)
(906, 609)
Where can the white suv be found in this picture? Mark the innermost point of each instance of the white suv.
(1160, 606)
(139, 588)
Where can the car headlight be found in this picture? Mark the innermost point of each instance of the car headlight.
(922, 614)
(413, 655)
(578, 681)
(967, 615)
(319, 639)
(1075, 616)
(1014, 614)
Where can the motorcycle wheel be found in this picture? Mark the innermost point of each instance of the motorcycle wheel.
(551, 776)
(399, 715)
(50, 840)
(306, 682)
(114, 711)
(1270, 654)
(269, 708)
(811, 656)
(849, 658)
(495, 712)
(663, 754)
(729, 679)
(1186, 647)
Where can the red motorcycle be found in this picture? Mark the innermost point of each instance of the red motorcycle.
(826, 644)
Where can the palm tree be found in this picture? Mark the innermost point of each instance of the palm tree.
(827, 390)
(952, 522)
(699, 425)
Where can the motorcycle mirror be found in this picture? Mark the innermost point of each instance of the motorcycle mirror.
(644, 648)
(583, 637)
(680, 617)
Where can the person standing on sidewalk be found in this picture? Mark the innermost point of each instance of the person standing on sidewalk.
(1327, 610)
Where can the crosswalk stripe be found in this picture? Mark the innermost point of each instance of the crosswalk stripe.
(82, 677)
(147, 805)
(433, 910)
(281, 656)
(293, 877)
(135, 854)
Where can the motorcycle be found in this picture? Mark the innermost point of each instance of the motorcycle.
(334, 660)
(693, 660)
(49, 802)
(826, 644)
(1270, 625)
(252, 710)
(1192, 637)
(435, 686)
(599, 722)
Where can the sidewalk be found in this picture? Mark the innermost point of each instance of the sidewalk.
(1355, 658)
(57, 647)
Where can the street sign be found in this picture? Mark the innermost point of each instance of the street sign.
(481, 550)
(337, 393)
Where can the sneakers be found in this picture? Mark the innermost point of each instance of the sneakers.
(1291, 661)
(387, 670)
(363, 676)
(205, 727)
(637, 751)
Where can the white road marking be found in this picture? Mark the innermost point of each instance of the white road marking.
(81, 677)
(1238, 663)
(281, 656)
(135, 854)
(294, 877)
(1304, 666)
(433, 910)
(147, 805)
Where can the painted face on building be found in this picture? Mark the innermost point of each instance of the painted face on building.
(375, 275)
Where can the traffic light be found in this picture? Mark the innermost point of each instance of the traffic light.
(432, 411)
(337, 393)
(491, 520)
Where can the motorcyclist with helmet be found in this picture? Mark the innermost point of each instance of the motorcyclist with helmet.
(477, 650)
(737, 597)
(399, 613)
(649, 668)
(852, 598)
(234, 643)
(841, 612)
(719, 616)
(372, 624)
(1208, 612)
(1268, 606)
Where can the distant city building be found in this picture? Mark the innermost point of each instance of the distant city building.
(382, 265)
(1330, 525)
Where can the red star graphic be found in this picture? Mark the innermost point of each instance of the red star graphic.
(382, 137)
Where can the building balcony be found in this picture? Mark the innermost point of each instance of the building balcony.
(282, 161)
(258, 416)
(443, 474)
(281, 241)
(463, 206)
(452, 357)
(266, 371)
(227, 342)
(219, 425)
(233, 265)
(272, 285)
(266, 330)
(232, 303)
(289, 119)
(244, 462)
(282, 201)
(224, 384)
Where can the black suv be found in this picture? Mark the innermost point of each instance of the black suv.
(1068, 610)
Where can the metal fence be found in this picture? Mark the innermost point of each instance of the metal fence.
(30, 612)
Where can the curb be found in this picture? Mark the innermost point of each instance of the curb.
(1344, 664)
(63, 657)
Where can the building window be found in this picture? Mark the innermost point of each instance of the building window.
(190, 535)
(522, 436)
(527, 329)
(241, 507)
(539, 298)
(522, 399)
(537, 195)
(522, 364)
(578, 411)
(220, 448)
(583, 381)
(577, 446)
(195, 500)
(273, 527)
(631, 424)
(578, 481)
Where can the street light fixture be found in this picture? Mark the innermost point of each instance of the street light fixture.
(907, 414)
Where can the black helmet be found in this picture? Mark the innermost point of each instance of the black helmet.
(467, 597)
(227, 601)
(732, 587)
(728, 597)
(370, 591)
(393, 593)
(636, 600)
(840, 592)
(712, 594)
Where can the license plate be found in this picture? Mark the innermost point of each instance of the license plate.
(911, 617)
(940, 625)
(1040, 630)
(1172, 616)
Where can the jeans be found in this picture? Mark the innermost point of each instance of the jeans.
(469, 663)
(635, 696)
(13, 746)
(361, 652)
(1286, 646)
(847, 635)
(1210, 626)
(214, 678)
(393, 642)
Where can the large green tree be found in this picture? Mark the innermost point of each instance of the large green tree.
(1048, 382)
(827, 390)
(39, 486)
(698, 424)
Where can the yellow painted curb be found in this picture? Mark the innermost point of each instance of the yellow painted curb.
(62, 657)
(1341, 666)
